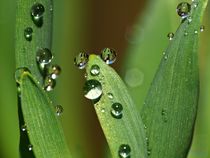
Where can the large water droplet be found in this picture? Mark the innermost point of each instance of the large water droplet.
(19, 72)
(54, 71)
(30, 147)
(183, 9)
(124, 151)
(58, 110)
(81, 60)
(92, 89)
(49, 83)
(170, 36)
(37, 12)
(23, 128)
(28, 33)
(108, 55)
(95, 70)
(44, 56)
(116, 111)
(202, 28)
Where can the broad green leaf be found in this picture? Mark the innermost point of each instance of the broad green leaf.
(43, 127)
(170, 107)
(128, 129)
(146, 46)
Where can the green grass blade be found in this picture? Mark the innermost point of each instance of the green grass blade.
(170, 107)
(127, 130)
(43, 127)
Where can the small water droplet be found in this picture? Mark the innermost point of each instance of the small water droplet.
(102, 110)
(81, 60)
(185, 33)
(189, 19)
(95, 70)
(19, 72)
(108, 55)
(202, 28)
(23, 128)
(145, 127)
(54, 71)
(37, 12)
(165, 57)
(49, 83)
(30, 147)
(44, 56)
(196, 31)
(110, 95)
(183, 9)
(194, 4)
(28, 33)
(116, 111)
(124, 151)
(92, 89)
(149, 152)
(170, 36)
(58, 110)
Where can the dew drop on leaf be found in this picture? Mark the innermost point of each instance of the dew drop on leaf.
(170, 36)
(196, 31)
(81, 60)
(54, 71)
(49, 83)
(95, 70)
(124, 151)
(23, 128)
(183, 9)
(28, 33)
(44, 56)
(108, 55)
(110, 95)
(58, 110)
(92, 89)
(37, 12)
(116, 111)
(30, 147)
(202, 28)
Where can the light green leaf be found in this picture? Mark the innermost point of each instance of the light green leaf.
(170, 107)
(126, 130)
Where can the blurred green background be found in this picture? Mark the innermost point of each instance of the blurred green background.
(88, 26)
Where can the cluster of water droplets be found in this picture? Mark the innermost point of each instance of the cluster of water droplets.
(93, 89)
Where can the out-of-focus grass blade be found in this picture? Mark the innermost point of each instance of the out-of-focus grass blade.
(170, 107)
(146, 46)
(43, 127)
(129, 129)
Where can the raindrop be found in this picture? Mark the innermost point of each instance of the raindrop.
(54, 71)
(116, 111)
(183, 9)
(124, 151)
(28, 33)
(108, 55)
(196, 31)
(58, 110)
(44, 56)
(81, 60)
(23, 128)
(92, 89)
(37, 12)
(19, 72)
(95, 70)
(202, 28)
(49, 84)
(110, 95)
(30, 147)
(170, 36)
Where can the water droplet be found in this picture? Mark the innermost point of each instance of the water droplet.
(44, 56)
(134, 77)
(102, 110)
(58, 110)
(110, 95)
(81, 60)
(124, 151)
(165, 57)
(28, 33)
(183, 9)
(196, 31)
(95, 70)
(202, 28)
(149, 152)
(189, 19)
(116, 111)
(185, 33)
(92, 89)
(49, 84)
(170, 36)
(54, 71)
(37, 12)
(108, 55)
(194, 4)
(30, 147)
(19, 72)
(23, 128)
